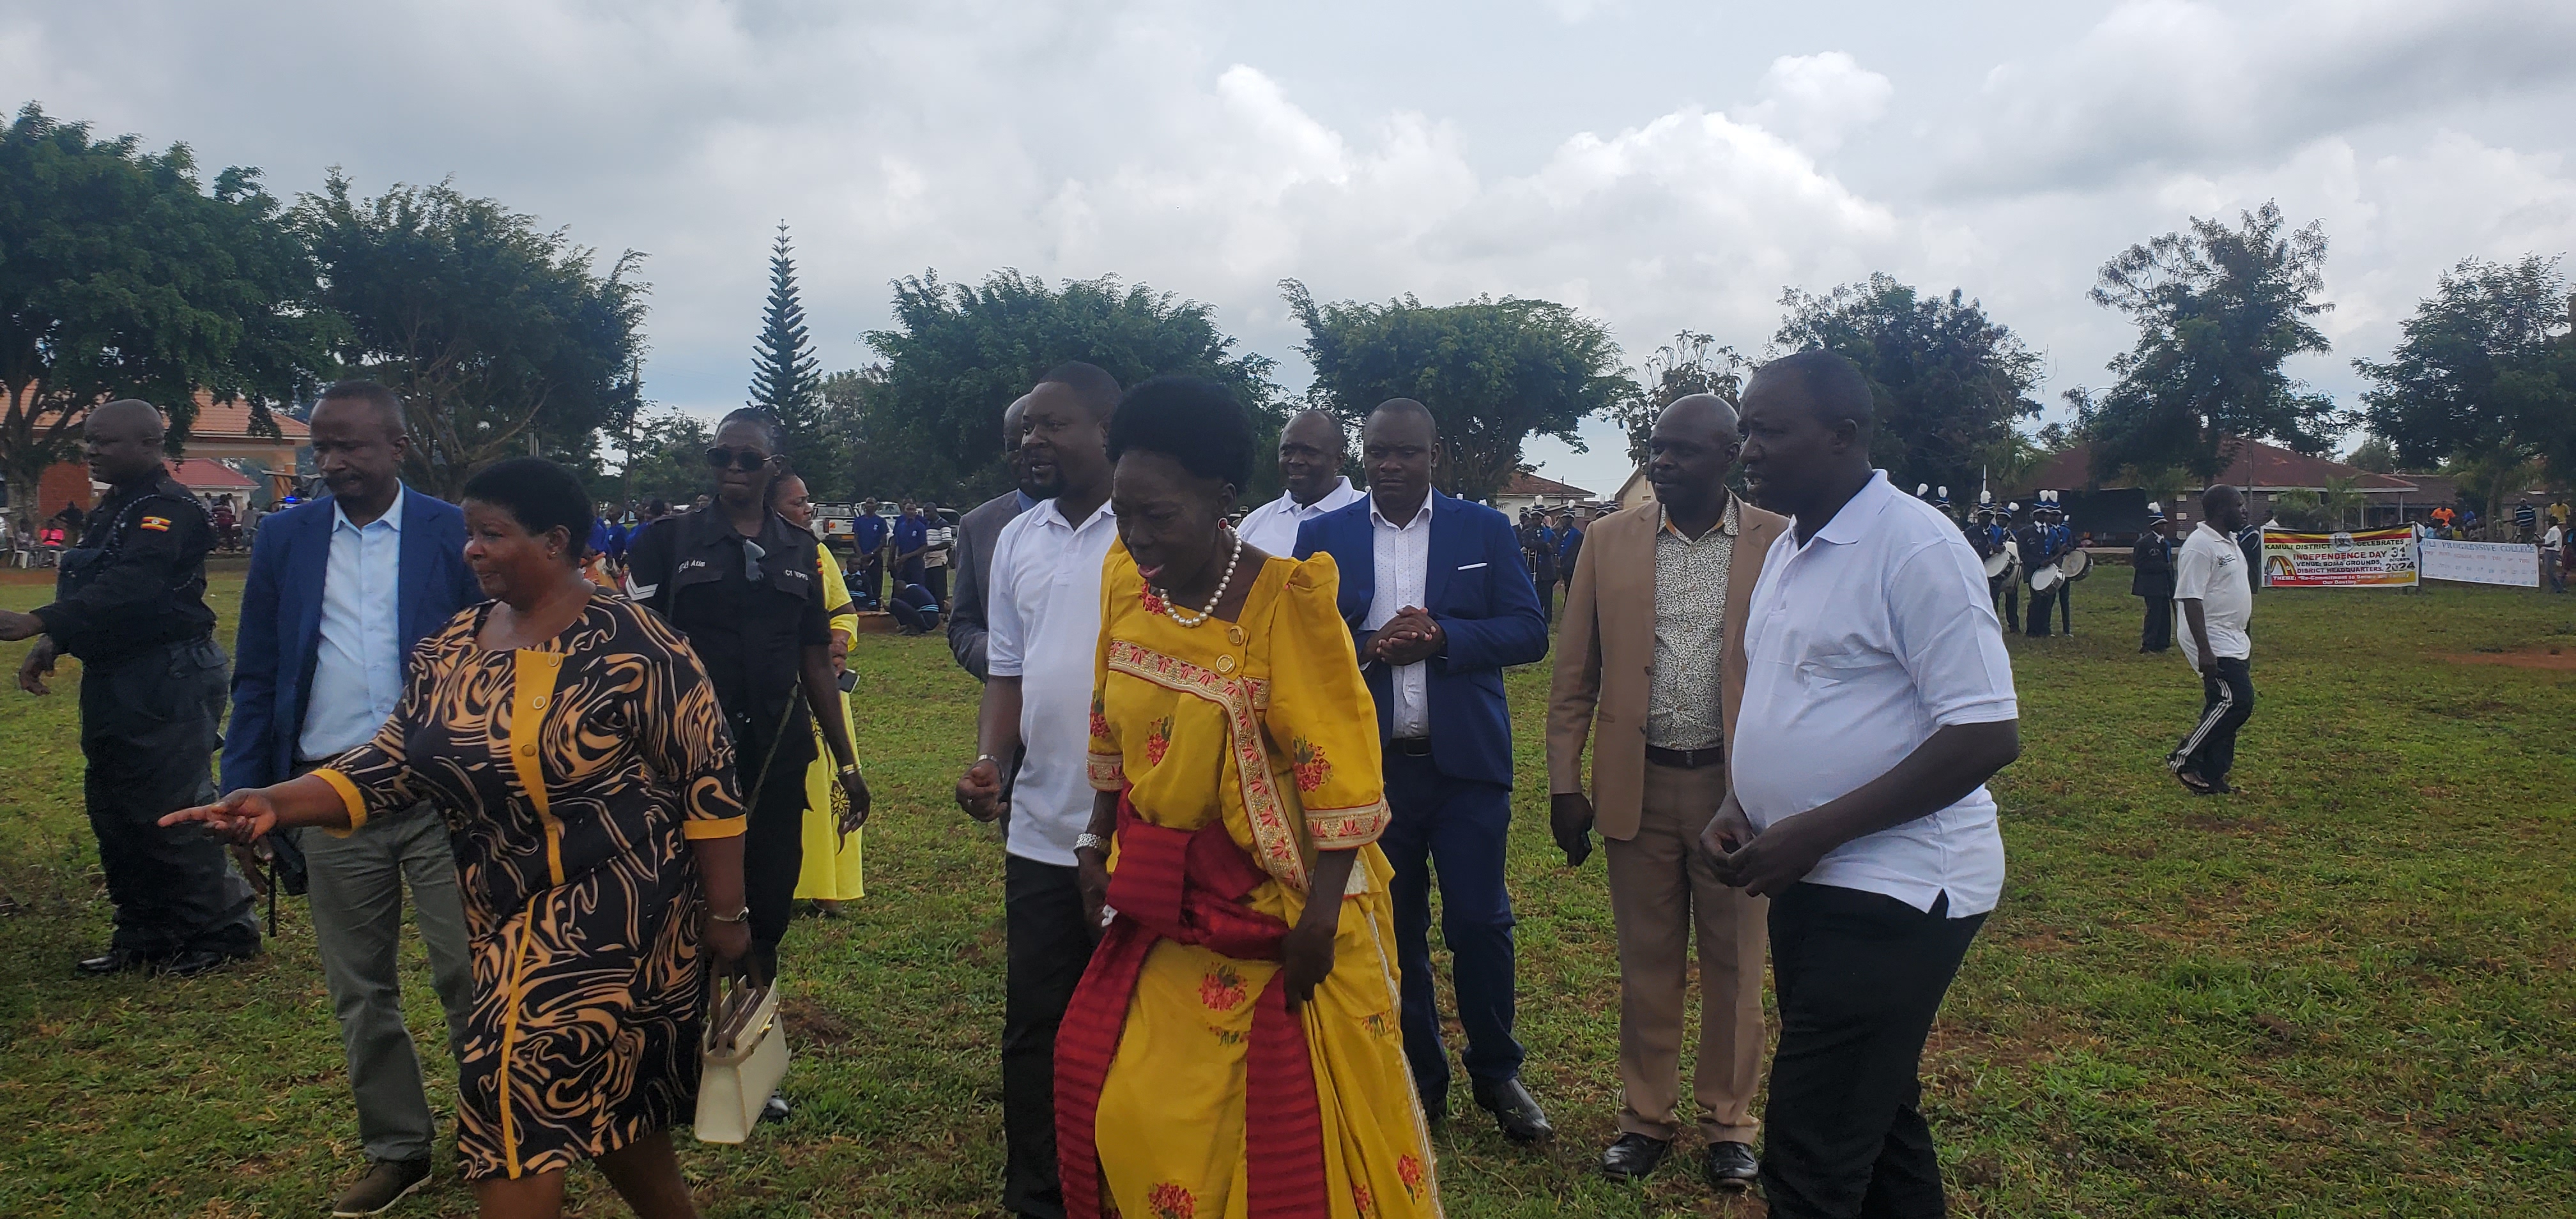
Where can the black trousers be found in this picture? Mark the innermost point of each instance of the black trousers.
(1859, 977)
(149, 729)
(2226, 700)
(2009, 598)
(1049, 947)
(2066, 607)
(936, 580)
(2155, 634)
(871, 589)
(2038, 619)
(773, 840)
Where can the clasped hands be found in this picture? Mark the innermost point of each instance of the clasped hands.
(1410, 637)
(1762, 863)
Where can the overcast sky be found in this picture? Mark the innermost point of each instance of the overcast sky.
(1657, 165)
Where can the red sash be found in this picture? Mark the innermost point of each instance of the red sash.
(1188, 888)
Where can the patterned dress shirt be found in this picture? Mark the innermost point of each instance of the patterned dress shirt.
(1682, 699)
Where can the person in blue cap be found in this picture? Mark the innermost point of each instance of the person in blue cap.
(2153, 561)
(1994, 529)
(2034, 538)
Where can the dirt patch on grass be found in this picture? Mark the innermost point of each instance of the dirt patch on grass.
(2556, 658)
(814, 1024)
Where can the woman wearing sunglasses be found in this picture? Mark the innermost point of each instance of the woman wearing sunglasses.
(746, 588)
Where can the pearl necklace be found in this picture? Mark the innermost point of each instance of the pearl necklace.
(1209, 610)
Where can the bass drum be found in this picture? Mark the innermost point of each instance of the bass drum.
(2075, 564)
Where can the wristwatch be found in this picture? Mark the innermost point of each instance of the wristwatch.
(739, 916)
(1093, 841)
(851, 769)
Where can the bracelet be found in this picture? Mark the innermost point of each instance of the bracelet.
(982, 758)
(1092, 841)
(739, 916)
(851, 769)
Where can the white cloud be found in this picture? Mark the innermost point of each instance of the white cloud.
(1816, 100)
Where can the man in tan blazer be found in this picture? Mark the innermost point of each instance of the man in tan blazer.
(1652, 653)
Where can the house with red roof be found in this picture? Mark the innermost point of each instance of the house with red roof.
(2118, 509)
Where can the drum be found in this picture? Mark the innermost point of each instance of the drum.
(2075, 564)
(2045, 578)
(1997, 562)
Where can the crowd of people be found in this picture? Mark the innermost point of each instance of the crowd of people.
(1232, 755)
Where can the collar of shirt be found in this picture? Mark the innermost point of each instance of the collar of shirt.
(1727, 523)
(1422, 518)
(1054, 515)
(1339, 496)
(1853, 520)
(392, 518)
(1022, 499)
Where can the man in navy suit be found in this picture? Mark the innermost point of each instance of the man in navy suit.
(340, 589)
(1439, 602)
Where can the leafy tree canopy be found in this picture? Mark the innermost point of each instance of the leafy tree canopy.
(2484, 375)
(495, 332)
(121, 276)
(957, 355)
(1492, 372)
(1949, 382)
(2218, 311)
(1692, 363)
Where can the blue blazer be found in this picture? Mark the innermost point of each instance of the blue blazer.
(281, 621)
(1479, 591)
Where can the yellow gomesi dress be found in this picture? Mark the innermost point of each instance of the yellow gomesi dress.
(1263, 726)
(831, 871)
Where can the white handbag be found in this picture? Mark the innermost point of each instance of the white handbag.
(738, 1072)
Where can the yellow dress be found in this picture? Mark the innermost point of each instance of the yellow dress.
(831, 869)
(1263, 723)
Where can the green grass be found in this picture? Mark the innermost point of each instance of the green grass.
(2346, 990)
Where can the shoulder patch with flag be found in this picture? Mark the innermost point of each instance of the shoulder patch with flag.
(157, 524)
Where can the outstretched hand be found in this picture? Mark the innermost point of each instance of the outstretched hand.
(242, 817)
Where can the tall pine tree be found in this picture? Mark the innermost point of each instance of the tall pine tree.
(785, 377)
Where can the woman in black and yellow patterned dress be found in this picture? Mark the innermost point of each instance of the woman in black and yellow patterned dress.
(573, 742)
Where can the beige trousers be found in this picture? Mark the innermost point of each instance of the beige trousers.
(1660, 888)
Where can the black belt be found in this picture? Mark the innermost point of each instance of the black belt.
(1411, 746)
(1686, 759)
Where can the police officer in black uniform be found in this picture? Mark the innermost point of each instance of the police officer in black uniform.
(2153, 560)
(2033, 540)
(746, 588)
(130, 603)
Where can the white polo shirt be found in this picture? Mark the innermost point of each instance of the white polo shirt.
(1272, 527)
(1402, 555)
(1044, 614)
(1859, 646)
(2211, 570)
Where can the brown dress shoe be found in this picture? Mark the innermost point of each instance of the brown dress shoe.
(385, 1184)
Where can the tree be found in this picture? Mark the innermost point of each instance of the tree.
(499, 336)
(957, 355)
(2218, 311)
(2374, 454)
(783, 377)
(1493, 372)
(1692, 363)
(2481, 378)
(665, 460)
(1949, 383)
(120, 276)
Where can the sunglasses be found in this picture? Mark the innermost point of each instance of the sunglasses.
(718, 457)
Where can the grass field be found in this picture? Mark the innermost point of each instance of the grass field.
(2349, 989)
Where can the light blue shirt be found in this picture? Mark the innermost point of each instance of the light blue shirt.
(357, 663)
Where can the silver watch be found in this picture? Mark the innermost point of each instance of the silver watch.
(1093, 841)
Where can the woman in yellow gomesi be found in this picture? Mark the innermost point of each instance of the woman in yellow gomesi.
(831, 873)
(1246, 974)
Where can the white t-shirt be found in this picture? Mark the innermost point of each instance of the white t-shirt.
(1272, 527)
(1859, 646)
(2211, 570)
(2551, 538)
(1044, 608)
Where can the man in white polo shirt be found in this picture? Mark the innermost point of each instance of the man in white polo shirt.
(2214, 594)
(1044, 602)
(1312, 451)
(1878, 699)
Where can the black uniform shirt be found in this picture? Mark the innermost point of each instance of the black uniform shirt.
(750, 635)
(143, 582)
(2153, 559)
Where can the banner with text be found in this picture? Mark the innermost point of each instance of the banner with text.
(2363, 558)
(2508, 563)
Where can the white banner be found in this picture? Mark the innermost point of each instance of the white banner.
(2508, 563)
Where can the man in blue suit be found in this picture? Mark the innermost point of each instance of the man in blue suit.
(339, 591)
(1439, 602)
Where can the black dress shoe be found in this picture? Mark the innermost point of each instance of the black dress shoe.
(774, 1109)
(1633, 1156)
(1515, 1110)
(197, 961)
(1730, 1168)
(113, 961)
